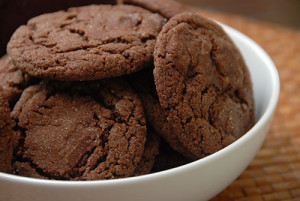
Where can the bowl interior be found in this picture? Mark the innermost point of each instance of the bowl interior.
(263, 72)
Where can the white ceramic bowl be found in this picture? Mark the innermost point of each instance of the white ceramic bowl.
(199, 180)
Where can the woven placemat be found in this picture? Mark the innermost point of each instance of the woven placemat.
(274, 174)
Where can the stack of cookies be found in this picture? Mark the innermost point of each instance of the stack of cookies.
(113, 91)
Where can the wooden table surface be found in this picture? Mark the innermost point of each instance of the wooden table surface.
(274, 174)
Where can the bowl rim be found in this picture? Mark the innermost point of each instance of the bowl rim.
(266, 115)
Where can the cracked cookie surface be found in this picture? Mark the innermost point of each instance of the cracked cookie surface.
(12, 80)
(150, 153)
(143, 83)
(6, 135)
(203, 84)
(79, 131)
(86, 43)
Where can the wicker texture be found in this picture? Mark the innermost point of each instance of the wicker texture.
(274, 174)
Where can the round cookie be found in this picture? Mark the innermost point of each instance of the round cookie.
(203, 84)
(79, 131)
(143, 83)
(168, 158)
(6, 135)
(150, 152)
(166, 8)
(12, 80)
(11, 17)
(86, 43)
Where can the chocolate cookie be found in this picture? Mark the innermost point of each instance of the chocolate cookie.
(79, 131)
(143, 83)
(86, 43)
(12, 80)
(168, 158)
(6, 135)
(203, 84)
(166, 8)
(11, 17)
(150, 152)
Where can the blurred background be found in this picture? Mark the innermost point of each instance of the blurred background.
(283, 12)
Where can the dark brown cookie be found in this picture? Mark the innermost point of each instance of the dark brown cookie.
(6, 135)
(168, 158)
(203, 84)
(86, 43)
(26, 169)
(166, 8)
(143, 83)
(11, 17)
(79, 131)
(12, 80)
(150, 152)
